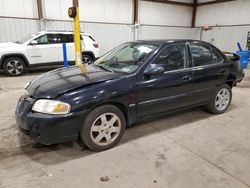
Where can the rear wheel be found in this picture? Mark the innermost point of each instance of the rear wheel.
(103, 128)
(87, 59)
(14, 66)
(221, 100)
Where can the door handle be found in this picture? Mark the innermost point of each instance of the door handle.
(186, 78)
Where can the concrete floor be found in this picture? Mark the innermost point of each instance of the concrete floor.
(187, 149)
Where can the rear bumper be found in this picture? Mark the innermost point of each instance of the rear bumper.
(48, 129)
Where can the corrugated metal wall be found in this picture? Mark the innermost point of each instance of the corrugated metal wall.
(230, 22)
(109, 21)
(13, 29)
(227, 13)
(107, 35)
(110, 30)
(165, 32)
(164, 14)
(226, 38)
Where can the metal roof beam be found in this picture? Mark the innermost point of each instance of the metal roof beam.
(213, 2)
(171, 2)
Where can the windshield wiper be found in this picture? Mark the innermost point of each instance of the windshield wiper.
(103, 68)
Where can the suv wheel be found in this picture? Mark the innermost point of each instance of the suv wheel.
(87, 59)
(221, 100)
(103, 128)
(14, 66)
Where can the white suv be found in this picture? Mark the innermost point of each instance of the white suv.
(43, 49)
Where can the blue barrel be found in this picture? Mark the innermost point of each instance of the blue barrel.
(244, 58)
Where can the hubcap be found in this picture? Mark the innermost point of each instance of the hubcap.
(86, 60)
(14, 67)
(222, 99)
(105, 129)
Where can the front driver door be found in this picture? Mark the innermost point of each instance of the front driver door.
(171, 90)
(46, 49)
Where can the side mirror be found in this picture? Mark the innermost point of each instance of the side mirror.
(33, 42)
(153, 71)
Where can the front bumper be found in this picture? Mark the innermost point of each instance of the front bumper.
(47, 129)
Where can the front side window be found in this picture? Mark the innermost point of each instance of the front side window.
(172, 57)
(201, 55)
(126, 58)
(49, 39)
(42, 40)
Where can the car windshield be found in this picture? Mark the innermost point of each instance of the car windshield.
(126, 58)
(23, 40)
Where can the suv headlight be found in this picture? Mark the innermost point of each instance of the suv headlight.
(51, 107)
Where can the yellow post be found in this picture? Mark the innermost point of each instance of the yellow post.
(74, 13)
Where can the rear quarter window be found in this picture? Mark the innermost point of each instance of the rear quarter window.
(217, 57)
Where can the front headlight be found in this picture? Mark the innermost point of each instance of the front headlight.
(51, 107)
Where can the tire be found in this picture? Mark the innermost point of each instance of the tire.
(98, 132)
(14, 66)
(221, 100)
(87, 59)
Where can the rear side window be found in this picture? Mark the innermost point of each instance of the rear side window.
(217, 57)
(69, 38)
(201, 55)
(172, 57)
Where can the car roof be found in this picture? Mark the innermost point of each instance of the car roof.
(62, 32)
(167, 41)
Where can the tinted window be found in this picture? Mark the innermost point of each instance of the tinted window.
(172, 57)
(218, 58)
(49, 39)
(69, 38)
(201, 55)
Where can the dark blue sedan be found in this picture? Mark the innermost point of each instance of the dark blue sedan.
(134, 81)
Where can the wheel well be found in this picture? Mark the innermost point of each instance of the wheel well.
(15, 55)
(90, 54)
(119, 106)
(229, 83)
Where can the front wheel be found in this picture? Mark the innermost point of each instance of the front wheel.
(221, 100)
(14, 66)
(103, 128)
(87, 59)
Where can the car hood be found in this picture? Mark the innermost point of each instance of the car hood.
(59, 81)
(8, 44)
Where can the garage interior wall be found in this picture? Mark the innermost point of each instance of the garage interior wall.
(100, 18)
(230, 23)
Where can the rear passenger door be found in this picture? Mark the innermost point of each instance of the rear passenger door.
(209, 70)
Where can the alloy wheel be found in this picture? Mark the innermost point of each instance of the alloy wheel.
(222, 99)
(14, 67)
(86, 60)
(105, 129)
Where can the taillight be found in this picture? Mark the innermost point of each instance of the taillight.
(95, 45)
